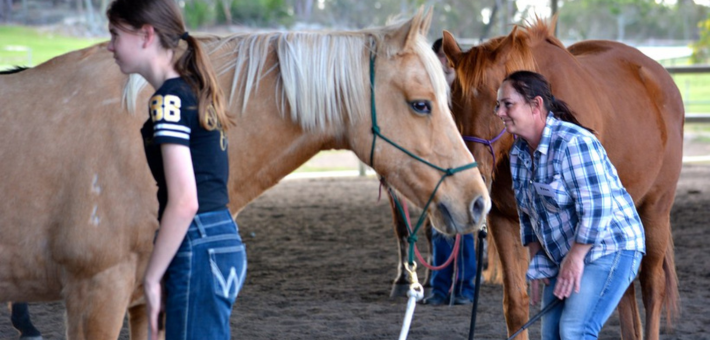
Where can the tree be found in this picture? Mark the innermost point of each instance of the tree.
(701, 47)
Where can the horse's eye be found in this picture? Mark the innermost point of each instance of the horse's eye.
(421, 106)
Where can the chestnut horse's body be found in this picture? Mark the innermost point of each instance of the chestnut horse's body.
(79, 210)
(637, 112)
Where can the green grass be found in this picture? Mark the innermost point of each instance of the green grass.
(42, 46)
(695, 89)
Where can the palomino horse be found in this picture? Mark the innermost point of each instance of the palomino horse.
(636, 110)
(79, 213)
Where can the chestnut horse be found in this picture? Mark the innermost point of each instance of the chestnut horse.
(79, 209)
(635, 109)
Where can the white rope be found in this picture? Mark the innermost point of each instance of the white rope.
(415, 293)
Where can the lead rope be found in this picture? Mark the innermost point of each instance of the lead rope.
(482, 233)
(415, 293)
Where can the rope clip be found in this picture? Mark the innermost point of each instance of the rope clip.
(415, 288)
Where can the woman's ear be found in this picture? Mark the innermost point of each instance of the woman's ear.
(539, 103)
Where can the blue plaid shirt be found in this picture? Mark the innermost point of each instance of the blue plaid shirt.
(570, 192)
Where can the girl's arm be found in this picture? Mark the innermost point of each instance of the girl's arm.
(180, 210)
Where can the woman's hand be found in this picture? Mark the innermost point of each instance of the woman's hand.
(571, 270)
(153, 292)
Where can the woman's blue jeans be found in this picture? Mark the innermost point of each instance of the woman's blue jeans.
(582, 315)
(204, 278)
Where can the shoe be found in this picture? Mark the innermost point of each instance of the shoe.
(435, 300)
(462, 300)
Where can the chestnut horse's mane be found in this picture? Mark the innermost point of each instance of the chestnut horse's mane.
(323, 77)
(514, 50)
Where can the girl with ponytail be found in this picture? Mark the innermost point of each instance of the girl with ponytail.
(583, 233)
(198, 259)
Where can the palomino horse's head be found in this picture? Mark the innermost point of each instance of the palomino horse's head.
(479, 73)
(411, 110)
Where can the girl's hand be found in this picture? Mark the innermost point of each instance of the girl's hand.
(153, 302)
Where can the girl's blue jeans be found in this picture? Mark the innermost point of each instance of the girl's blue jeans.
(582, 315)
(204, 278)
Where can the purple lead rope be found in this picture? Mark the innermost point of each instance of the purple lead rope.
(487, 142)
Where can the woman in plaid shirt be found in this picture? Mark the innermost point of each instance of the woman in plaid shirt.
(581, 227)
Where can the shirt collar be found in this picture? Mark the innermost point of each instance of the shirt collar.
(546, 138)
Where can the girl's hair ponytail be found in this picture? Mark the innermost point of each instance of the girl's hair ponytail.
(194, 65)
(530, 85)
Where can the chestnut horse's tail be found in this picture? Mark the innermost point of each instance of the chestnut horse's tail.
(671, 301)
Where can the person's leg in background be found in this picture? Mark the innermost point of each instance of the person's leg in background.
(465, 279)
(441, 247)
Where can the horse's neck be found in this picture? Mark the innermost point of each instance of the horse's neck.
(570, 79)
(264, 148)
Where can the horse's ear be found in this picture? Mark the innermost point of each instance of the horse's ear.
(553, 24)
(506, 46)
(418, 25)
(451, 48)
(426, 20)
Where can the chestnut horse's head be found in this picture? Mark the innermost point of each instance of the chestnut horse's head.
(479, 73)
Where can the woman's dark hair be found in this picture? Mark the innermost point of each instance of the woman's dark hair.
(437, 45)
(530, 85)
(193, 66)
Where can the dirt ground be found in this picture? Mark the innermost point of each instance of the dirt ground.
(322, 257)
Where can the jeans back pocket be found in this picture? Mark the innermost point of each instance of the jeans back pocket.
(229, 265)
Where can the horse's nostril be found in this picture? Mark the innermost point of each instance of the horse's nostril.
(477, 209)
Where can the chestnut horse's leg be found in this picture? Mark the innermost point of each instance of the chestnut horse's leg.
(658, 278)
(513, 259)
(96, 305)
(492, 273)
(629, 316)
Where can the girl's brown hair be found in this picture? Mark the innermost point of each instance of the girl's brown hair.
(194, 66)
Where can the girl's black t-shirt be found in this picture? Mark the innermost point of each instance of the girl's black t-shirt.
(173, 118)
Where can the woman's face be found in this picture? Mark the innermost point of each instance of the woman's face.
(126, 45)
(514, 111)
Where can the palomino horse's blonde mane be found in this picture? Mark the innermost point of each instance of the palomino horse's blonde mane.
(323, 76)
(514, 49)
